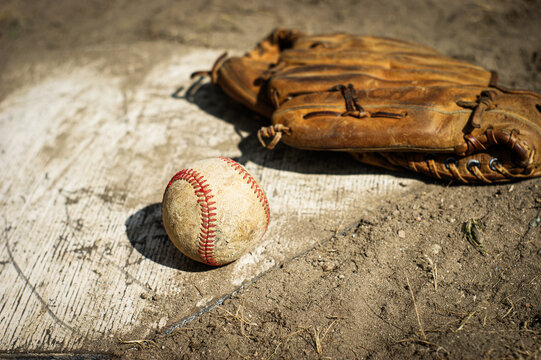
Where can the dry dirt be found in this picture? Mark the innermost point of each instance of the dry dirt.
(402, 282)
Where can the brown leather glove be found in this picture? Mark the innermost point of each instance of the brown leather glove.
(391, 103)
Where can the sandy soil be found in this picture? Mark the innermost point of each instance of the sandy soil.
(404, 281)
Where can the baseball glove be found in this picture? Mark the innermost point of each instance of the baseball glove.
(391, 103)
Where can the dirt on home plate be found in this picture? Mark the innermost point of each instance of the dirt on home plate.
(441, 271)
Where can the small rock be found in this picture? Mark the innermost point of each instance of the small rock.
(327, 267)
(401, 234)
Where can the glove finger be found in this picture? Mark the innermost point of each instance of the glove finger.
(416, 119)
(318, 78)
(239, 78)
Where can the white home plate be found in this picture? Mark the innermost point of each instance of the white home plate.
(86, 154)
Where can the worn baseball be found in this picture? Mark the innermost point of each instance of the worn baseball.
(214, 211)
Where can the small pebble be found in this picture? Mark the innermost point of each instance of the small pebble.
(327, 267)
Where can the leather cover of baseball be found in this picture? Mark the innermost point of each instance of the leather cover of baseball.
(214, 211)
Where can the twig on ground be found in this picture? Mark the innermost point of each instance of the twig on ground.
(295, 333)
(534, 278)
(284, 339)
(416, 310)
(511, 308)
(466, 320)
(319, 340)
(508, 311)
(275, 350)
(327, 330)
(335, 317)
(140, 342)
(239, 315)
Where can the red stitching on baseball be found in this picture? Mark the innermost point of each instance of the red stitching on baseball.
(202, 190)
(253, 185)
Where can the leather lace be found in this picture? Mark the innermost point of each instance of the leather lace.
(484, 102)
(353, 108)
(275, 132)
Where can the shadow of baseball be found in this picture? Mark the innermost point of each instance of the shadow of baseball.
(147, 235)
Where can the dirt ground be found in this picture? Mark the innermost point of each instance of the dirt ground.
(403, 281)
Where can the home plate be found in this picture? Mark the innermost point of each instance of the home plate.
(86, 154)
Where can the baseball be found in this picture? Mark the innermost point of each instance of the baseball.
(214, 211)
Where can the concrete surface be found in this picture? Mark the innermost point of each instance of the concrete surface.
(86, 152)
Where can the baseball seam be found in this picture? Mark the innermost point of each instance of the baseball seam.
(253, 184)
(207, 232)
